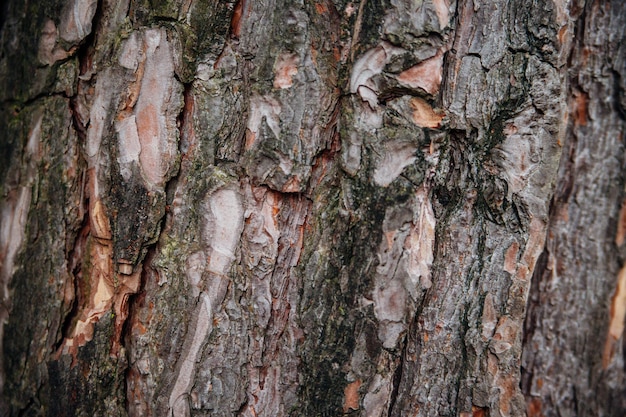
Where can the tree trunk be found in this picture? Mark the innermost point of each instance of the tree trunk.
(299, 208)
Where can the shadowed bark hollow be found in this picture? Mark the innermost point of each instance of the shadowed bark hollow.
(312, 208)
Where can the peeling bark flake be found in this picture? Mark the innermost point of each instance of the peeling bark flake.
(421, 242)
(222, 231)
(262, 109)
(12, 229)
(77, 20)
(99, 221)
(375, 402)
(367, 67)
(620, 236)
(617, 315)
(489, 318)
(157, 107)
(405, 257)
(426, 75)
(178, 401)
(442, 8)
(285, 68)
(351, 395)
(424, 115)
(49, 52)
(510, 258)
(235, 23)
(534, 246)
(319, 208)
(396, 158)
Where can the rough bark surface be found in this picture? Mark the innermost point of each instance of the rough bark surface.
(312, 208)
(573, 361)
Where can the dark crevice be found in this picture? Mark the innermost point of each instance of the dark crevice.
(4, 11)
(243, 407)
(232, 37)
(397, 378)
(618, 91)
(165, 19)
(79, 127)
(390, 94)
(79, 244)
(76, 274)
(17, 105)
(132, 298)
(133, 305)
(579, 36)
(183, 120)
(83, 54)
(565, 185)
(25, 411)
(464, 368)
(575, 400)
(533, 304)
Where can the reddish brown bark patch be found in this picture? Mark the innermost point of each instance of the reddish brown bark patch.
(616, 318)
(351, 393)
(534, 408)
(321, 8)
(582, 99)
(424, 115)
(425, 75)
(510, 258)
(285, 68)
(478, 411)
(235, 23)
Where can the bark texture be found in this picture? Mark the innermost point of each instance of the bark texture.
(312, 208)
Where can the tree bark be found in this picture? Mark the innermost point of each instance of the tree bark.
(299, 208)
